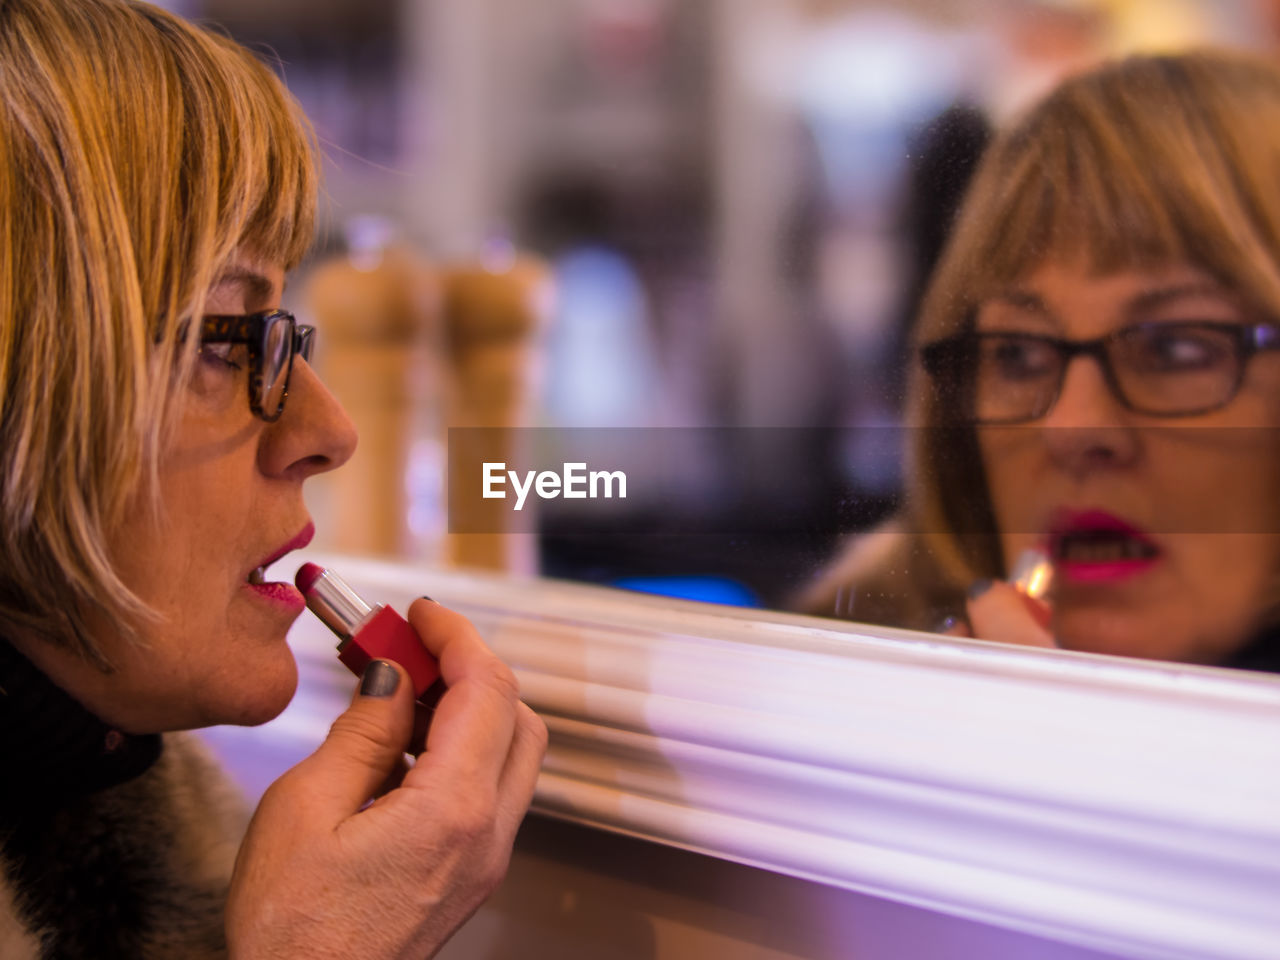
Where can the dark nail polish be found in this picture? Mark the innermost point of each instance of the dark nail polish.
(945, 625)
(380, 679)
(425, 597)
(978, 588)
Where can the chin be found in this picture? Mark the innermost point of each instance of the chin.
(1119, 636)
(267, 697)
(256, 693)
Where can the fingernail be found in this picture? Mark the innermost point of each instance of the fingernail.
(945, 625)
(978, 588)
(380, 679)
(425, 597)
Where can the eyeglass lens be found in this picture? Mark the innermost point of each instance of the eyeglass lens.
(1176, 369)
(277, 341)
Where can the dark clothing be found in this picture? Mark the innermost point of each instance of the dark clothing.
(63, 750)
(111, 845)
(1262, 653)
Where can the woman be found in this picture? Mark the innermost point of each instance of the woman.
(159, 421)
(1099, 376)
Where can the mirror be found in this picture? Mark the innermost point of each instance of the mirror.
(687, 242)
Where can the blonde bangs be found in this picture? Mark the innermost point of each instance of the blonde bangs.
(241, 167)
(1145, 162)
(275, 165)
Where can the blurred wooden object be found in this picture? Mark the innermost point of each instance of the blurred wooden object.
(493, 321)
(411, 350)
(378, 313)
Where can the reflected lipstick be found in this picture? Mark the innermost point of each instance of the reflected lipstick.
(368, 631)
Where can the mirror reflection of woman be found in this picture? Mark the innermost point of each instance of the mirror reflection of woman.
(159, 421)
(1100, 377)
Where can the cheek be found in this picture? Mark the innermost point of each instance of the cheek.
(184, 558)
(1218, 481)
(1006, 459)
(1222, 587)
(195, 558)
(1230, 573)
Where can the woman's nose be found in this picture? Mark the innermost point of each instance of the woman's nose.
(314, 433)
(1088, 427)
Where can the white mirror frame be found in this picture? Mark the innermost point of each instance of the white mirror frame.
(1114, 804)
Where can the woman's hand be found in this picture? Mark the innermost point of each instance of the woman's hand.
(324, 873)
(998, 611)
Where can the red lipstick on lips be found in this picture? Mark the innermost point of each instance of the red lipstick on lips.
(368, 631)
(280, 592)
(1097, 546)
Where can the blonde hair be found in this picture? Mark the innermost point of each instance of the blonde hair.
(137, 153)
(1146, 161)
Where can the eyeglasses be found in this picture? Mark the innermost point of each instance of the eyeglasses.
(272, 340)
(1156, 369)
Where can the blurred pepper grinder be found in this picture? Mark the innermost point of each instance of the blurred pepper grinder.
(495, 313)
(378, 314)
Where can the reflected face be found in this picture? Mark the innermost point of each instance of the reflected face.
(231, 499)
(1162, 530)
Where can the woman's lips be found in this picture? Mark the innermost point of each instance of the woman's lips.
(299, 542)
(1096, 546)
(284, 595)
(280, 593)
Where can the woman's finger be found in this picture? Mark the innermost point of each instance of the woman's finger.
(953, 627)
(999, 612)
(364, 746)
(520, 774)
(474, 721)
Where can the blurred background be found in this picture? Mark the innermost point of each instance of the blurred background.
(705, 221)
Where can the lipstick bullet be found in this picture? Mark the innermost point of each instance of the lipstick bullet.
(1033, 573)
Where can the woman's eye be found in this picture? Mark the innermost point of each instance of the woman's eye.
(217, 374)
(231, 355)
(1015, 359)
(1175, 350)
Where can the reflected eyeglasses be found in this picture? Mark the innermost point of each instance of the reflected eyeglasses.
(1155, 369)
(272, 340)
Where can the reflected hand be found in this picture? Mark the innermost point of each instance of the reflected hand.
(998, 611)
(325, 873)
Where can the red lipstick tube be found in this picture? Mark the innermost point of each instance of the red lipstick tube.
(368, 631)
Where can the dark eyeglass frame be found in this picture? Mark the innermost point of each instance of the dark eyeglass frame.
(254, 331)
(941, 359)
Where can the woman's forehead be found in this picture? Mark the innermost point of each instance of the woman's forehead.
(1080, 262)
(257, 279)
(246, 284)
(1136, 288)
(1152, 281)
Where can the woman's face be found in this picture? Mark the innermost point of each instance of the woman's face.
(1162, 531)
(231, 499)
